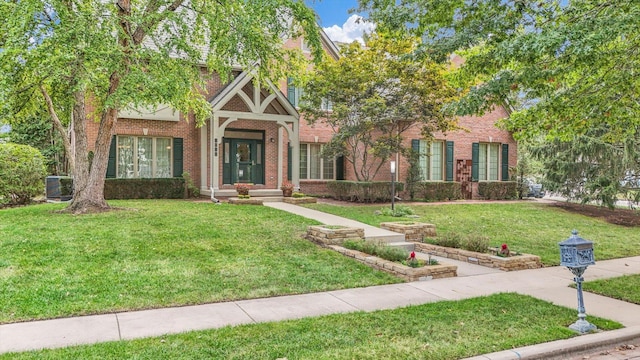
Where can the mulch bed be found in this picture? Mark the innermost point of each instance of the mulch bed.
(624, 217)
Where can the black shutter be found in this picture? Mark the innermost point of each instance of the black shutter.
(340, 167)
(289, 162)
(475, 155)
(111, 165)
(449, 161)
(505, 162)
(291, 91)
(177, 157)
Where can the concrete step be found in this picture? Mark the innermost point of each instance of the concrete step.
(409, 246)
(385, 238)
(254, 193)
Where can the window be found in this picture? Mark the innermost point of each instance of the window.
(488, 160)
(143, 157)
(431, 160)
(294, 94)
(313, 166)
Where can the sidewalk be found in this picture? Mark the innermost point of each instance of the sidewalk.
(550, 284)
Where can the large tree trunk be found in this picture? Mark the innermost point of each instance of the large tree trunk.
(89, 177)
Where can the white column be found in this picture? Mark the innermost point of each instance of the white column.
(215, 153)
(204, 183)
(280, 157)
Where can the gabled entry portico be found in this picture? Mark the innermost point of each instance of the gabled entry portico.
(247, 137)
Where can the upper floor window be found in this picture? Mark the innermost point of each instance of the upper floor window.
(313, 166)
(294, 94)
(143, 157)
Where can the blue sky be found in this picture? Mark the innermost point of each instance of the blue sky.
(336, 20)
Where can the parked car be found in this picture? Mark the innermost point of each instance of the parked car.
(535, 190)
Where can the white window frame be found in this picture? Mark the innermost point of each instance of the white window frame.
(135, 171)
(308, 163)
(426, 160)
(484, 167)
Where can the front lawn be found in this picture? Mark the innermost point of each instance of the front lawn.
(439, 331)
(525, 226)
(623, 288)
(154, 254)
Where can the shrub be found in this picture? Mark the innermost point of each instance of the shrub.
(452, 240)
(22, 173)
(298, 194)
(161, 188)
(399, 211)
(437, 190)
(377, 249)
(498, 190)
(362, 191)
(191, 191)
(477, 243)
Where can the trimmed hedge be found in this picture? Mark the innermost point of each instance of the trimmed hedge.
(161, 188)
(437, 190)
(498, 190)
(22, 173)
(362, 191)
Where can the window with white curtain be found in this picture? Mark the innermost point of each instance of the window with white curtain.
(313, 166)
(431, 160)
(143, 157)
(488, 161)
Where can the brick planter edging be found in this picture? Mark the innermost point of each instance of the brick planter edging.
(302, 200)
(404, 272)
(512, 263)
(324, 235)
(250, 201)
(413, 231)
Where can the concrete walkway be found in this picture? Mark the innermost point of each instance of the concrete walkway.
(550, 284)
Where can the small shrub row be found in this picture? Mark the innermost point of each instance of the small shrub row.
(377, 249)
(22, 173)
(473, 242)
(436, 191)
(399, 211)
(498, 190)
(162, 188)
(362, 191)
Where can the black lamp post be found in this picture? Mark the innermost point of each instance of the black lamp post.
(576, 254)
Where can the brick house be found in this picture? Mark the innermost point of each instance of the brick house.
(256, 135)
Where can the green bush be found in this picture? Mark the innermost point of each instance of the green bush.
(477, 243)
(399, 211)
(161, 188)
(192, 191)
(22, 173)
(498, 190)
(377, 249)
(452, 240)
(362, 191)
(437, 190)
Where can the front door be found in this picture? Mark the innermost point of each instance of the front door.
(243, 161)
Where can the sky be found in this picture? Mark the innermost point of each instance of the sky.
(336, 20)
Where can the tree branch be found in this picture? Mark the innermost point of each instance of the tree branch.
(59, 127)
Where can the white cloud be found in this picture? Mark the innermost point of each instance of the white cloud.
(351, 30)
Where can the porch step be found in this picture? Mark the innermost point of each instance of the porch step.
(387, 238)
(254, 193)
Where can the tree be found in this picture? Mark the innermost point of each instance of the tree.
(574, 63)
(376, 92)
(84, 60)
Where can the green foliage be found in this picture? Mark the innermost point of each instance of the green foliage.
(380, 250)
(498, 190)
(563, 66)
(477, 243)
(377, 92)
(471, 242)
(450, 239)
(362, 191)
(413, 173)
(161, 188)
(22, 173)
(437, 190)
(192, 190)
(398, 211)
(298, 194)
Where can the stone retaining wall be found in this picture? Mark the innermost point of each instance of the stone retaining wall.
(329, 236)
(413, 231)
(249, 201)
(517, 262)
(404, 272)
(302, 200)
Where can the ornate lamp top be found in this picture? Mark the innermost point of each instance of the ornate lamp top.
(576, 251)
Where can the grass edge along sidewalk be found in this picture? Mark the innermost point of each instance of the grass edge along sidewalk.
(440, 330)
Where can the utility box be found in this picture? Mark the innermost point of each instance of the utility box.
(59, 188)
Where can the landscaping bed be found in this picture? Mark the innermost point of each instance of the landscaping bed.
(413, 231)
(511, 263)
(427, 272)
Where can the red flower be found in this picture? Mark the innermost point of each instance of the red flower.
(413, 255)
(504, 246)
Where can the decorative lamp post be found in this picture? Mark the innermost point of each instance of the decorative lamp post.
(393, 185)
(576, 254)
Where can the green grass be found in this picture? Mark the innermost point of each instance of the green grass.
(526, 227)
(443, 330)
(154, 254)
(623, 288)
